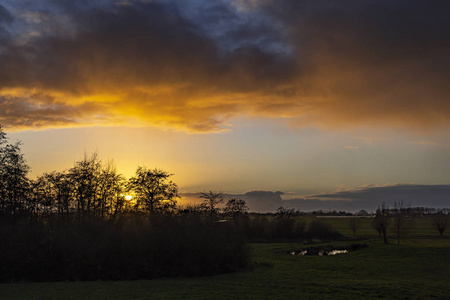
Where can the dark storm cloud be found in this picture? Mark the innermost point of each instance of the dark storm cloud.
(370, 197)
(367, 198)
(372, 61)
(189, 66)
(5, 19)
(5, 16)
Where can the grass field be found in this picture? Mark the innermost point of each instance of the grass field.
(419, 227)
(417, 269)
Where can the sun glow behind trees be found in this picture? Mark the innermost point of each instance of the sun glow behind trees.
(90, 188)
(139, 86)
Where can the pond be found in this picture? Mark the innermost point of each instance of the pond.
(320, 252)
(328, 250)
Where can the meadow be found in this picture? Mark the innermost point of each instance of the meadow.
(416, 269)
(418, 227)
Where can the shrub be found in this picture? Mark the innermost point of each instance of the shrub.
(321, 230)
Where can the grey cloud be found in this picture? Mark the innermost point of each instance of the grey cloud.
(5, 19)
(320, 63)
(369, 198)
(5, 16)
(47, 113)
(127, 49)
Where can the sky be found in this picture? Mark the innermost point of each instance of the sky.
(302, 97)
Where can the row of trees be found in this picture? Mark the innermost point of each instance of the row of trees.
(89, 188)
(401, 219)
(92, 188)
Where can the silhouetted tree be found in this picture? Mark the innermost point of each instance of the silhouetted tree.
(14, 184)
(211, 199)
(62, 191)
(354, 224)
(440, 222)
(111, 189)
(319, 228)
(381, 221)
(52, 194)
(284, 222)
(285, 213)
(402, 222)
(153, 190)
(236, 209)
(84, 177)
(43, 196)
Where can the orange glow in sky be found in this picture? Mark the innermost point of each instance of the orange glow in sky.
(296, 96)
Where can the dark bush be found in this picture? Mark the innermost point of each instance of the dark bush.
(258, 227)
(133, 247)
(319, 229)
(269, 227)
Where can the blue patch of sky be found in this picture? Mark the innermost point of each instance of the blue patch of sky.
(232, 28)
(32, 19)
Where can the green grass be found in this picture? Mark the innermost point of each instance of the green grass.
(419, 227)
(417, 269)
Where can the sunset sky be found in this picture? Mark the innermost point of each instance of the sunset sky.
(303, 97)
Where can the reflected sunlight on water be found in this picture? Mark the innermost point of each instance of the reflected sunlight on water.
(320, 253)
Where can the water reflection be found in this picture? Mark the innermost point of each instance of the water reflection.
(320, 252)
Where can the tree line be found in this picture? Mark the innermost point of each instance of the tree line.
(94, 189)
(90, 188)
(401, 219)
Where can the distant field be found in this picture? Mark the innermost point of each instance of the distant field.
(417, 269)
(420, 227)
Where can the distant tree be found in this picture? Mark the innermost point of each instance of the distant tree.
(236, 209)
(284, 223)
(354, 224)
(440, 222)
(285, 213)
(402, 221)
(319, 228)
(153, 190)
(191, 210)
(14, 183)
(210, 202)
(362, 212)
(381, 221)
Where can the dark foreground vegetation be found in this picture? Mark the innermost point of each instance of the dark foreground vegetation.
(417, 269)
(89, 223)
(133, 247)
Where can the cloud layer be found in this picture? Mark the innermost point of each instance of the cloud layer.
(371, 197)
(193, 65)
(367, 198)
